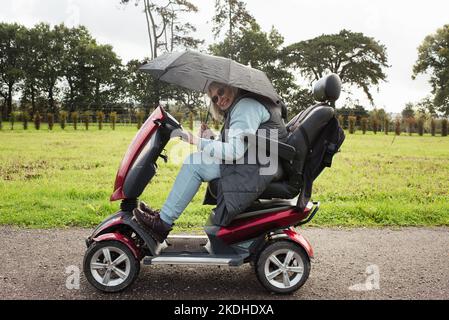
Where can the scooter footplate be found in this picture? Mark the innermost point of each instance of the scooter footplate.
(195, 259)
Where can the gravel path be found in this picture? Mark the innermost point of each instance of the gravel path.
(410, 263)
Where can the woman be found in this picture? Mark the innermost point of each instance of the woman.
(243, 114)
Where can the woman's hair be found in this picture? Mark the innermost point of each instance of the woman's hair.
(215, 110)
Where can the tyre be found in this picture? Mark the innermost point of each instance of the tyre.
(283, 267)
(110, 266)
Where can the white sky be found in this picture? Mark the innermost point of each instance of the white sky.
(400, 25)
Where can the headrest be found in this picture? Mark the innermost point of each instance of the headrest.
(327, 88)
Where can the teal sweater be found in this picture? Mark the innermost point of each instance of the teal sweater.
(246, 117)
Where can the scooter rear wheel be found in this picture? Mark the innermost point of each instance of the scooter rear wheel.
(110, 266)
(283, 267)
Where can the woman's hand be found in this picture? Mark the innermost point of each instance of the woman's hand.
(205, 132)
(189, 138)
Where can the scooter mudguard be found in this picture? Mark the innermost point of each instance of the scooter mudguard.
(113, 223)
(299, 239)
(120, 238)
(108, 225)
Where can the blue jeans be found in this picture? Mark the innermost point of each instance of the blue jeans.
(193, 172)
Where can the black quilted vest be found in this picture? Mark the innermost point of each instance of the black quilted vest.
(241, 184)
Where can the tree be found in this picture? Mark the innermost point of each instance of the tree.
(354, 109)
(426, 106)
(141, 88)
(358, 60)
(32, 68)
(260, 50)
(233, 17)
(12, 42)
(93, 72)
(165, 31)
(433, 58)
(107, 75)
(52, 49)
(77, 65)
(299, 100)
(189, 99)
(408, 111)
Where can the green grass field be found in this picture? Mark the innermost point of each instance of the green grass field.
(65, 178)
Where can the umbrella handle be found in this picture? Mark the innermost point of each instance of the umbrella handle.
(207, 116)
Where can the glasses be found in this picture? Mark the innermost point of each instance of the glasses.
(220, 93)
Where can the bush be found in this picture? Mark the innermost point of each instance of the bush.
(433, 127)
(12, 119)
(140, 116)
(63, 119)
(75, 118)
(397, 127)
(86, 119)
(375, 124)
(341, 121)
(113, 117)
(1, 125)
(50, 120)
(25, 118)
(100, 119)
(364, 122)
(420, 123)
(444, 128)
(410, 125)
(37, 120)
(386, 125)
(352, 120)
(191, 120)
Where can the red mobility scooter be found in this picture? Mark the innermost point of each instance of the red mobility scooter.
(265, 235)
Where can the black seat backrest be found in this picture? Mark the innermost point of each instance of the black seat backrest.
(303, 131)
(307, 126)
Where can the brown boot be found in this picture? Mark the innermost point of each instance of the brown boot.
(146, 209)
(153, 224)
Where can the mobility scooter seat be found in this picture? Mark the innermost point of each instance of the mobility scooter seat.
(262, 206)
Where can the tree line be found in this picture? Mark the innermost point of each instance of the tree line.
(59, 68)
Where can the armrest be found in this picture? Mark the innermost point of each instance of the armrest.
(285, 151)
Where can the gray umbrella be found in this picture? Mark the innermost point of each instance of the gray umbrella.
(195, 70)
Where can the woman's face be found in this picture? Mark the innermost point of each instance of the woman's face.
(223, 97)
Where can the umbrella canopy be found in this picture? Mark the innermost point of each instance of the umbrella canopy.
(194, 70)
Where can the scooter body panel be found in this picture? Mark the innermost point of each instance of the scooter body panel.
(134, 149)
(244, 229)
(138, 166)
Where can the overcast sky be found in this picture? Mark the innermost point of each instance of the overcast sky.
(400, 25)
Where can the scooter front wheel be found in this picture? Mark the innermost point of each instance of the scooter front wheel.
(283, 267)
(110, 266)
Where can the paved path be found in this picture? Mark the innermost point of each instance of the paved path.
(410, 263)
